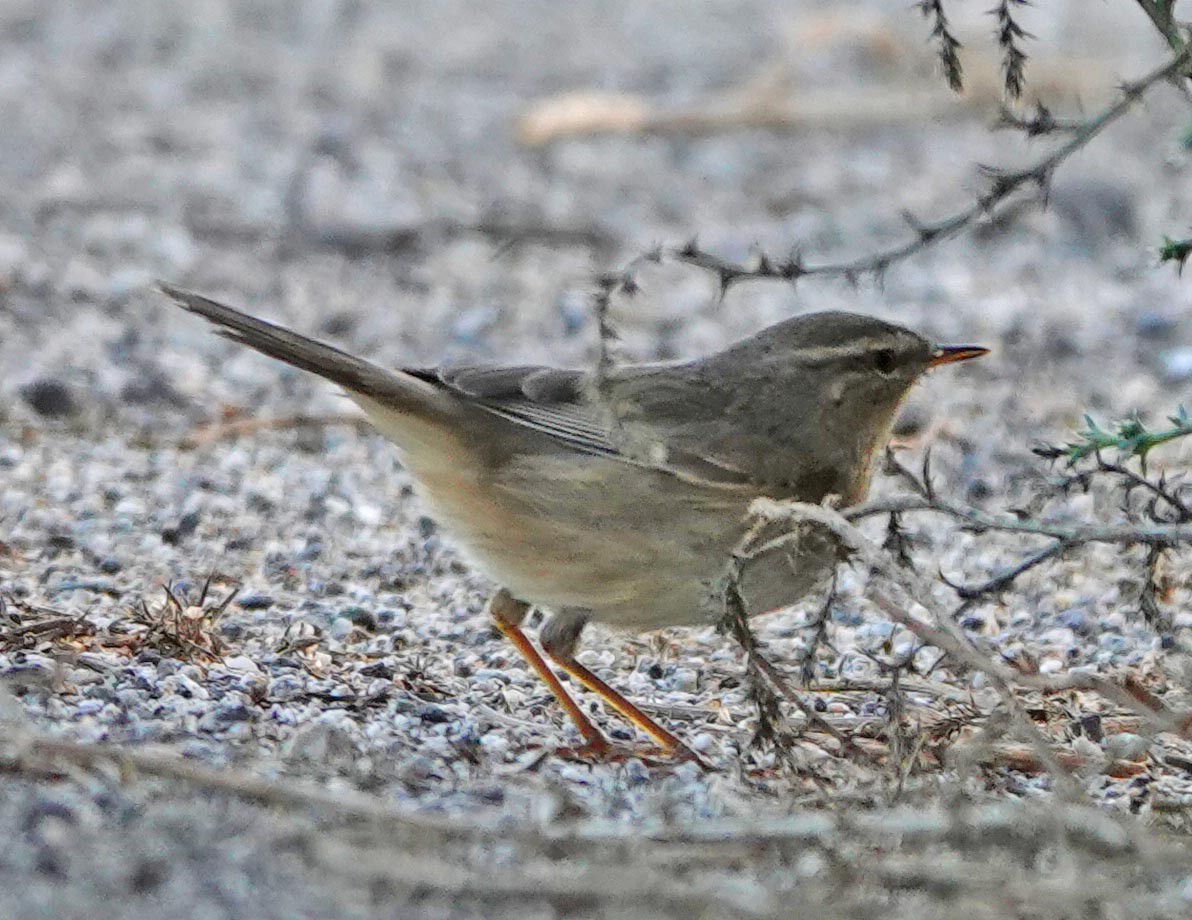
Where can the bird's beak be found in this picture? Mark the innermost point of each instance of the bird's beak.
(950, 354)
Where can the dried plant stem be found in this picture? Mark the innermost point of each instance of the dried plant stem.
(943, 633)
(977, 521)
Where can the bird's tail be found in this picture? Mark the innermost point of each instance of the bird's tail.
(396, 391)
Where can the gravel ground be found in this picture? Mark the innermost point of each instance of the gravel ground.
(353, 171)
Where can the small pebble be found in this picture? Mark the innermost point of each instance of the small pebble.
(255, 601)
(1175, 364)
(1126, 746)
(50, 398)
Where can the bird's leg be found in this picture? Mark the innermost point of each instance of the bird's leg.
(559, 639)
(508, 613)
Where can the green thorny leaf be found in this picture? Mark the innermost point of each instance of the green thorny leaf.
(1176, 251)
(1129, 437)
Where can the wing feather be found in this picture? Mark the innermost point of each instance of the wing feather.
(559, 403)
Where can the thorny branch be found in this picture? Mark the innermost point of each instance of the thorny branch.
(1162, 16)
(947, 46)
(898, 591)
(1003, 184)
(765, 681)
(1160, 523)
(1009, 37)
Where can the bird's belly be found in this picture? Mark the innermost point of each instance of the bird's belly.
(637, 548)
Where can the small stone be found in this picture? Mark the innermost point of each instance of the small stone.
(1175, 364)
(1075, 619)
(377, 669)
(362, 617)
(1126, 746)
(1154, 326)
(285, 688)
(223, 716)
(186, 526)
(241, 663)
(1091, 726)
(685, 680)
(255, 602)
(435, 715)
(50, 398)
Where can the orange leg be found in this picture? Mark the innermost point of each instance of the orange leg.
(508, 613)
(670, 744)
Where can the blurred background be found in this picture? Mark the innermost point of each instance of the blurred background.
(441, 181)
(418, 181)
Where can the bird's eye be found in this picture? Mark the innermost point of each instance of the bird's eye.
(883, 361)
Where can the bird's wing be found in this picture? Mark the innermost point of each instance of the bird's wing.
(551, 401)
(561, 404)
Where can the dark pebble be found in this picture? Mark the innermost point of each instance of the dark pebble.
(237, 713)
(361, 617)
(1154, 326)
(186, 526)
(110, 566)
(1091, 726)
(149, 875)
(339, 323)
(377, 669)
(434, 715)
(261, 503)
(51, 398)
(978, 490)
(255, 602)
(51, 862)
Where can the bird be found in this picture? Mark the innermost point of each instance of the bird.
(617, 495)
